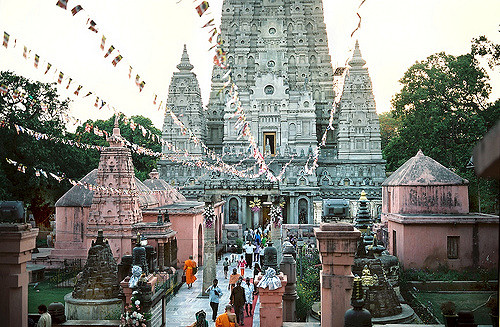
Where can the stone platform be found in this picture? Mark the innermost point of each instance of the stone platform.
(83, 309)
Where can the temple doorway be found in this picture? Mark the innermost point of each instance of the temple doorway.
(266, 218)
(200, 246)
(303, 209)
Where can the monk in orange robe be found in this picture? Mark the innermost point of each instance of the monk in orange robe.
(227, 319)
(189, 264)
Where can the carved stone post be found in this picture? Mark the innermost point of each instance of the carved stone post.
(16, 243)
(271, 303)
(317, 211)
(277, 240)
(209, 256)
(289, 268)
(337, 245)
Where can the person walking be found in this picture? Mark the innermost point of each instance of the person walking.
(256, 251)
(201, 320)
(189, 266)
(249, 248)
(45, 318)
(227, 319)
(261, 254)
(249, 293)
(214, 294)
(238, 302)
(233, 279)
(256, 270)
(225, 264)
(241, 264)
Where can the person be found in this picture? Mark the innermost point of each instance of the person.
(214, 294)
(234, 255)
(256, 251)
(249, 254)
(249, 293)
(189, 265)
(201, 320)
(225, 264)
(256, 270)
(45, 318)
(238, 302)
(233, 279)
(227, 319)
(241, 264)
(258, 238)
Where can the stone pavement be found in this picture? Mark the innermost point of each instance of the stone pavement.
(181, 309)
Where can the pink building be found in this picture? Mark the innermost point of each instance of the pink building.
(425, 207)
(81, 212)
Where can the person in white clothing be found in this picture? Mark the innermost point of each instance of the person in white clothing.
(249, 293)
(249, 248)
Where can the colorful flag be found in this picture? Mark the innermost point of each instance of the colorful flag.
(117, 60)
(141, 86)
(111, 48)
(61, 75)
(154, 100)
(48, 67)
(62, 3)
(202, 8)
(92, 26)
(137, 77)
(102, 105)
(25, 52)
(69, 82)
(96, 102)
(78, 90)
(88, 94)
(3, 89)
(209, 23)
(5, 39)
(214, 32)
(129, 72)
(103, 41)
(76, 9)
(37, 59)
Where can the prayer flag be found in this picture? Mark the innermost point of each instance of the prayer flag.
(213, 31)
(154, 101)
(141, 86)
(78, 89)
(69, 82)
(62, 3)
(111, 48)
(209, 23)
(25, 52)
(92, 26)
(88, 94)
(3, 89)
(48, 67)
(117, 60)
(5, 39)
(76, 9)
(103, 41)
(202, 8)
(129, 72)
(102, 105)
(37, 59)
(96, 102)
(137, 77)
(61, 75)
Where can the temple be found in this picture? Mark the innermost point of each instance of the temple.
(279, 61)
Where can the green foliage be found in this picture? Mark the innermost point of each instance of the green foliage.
(239, 245)
(143, 164)
(443, 273)
(308, 282)
(389, 127)
(443, 109)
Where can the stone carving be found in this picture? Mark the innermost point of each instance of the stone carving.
(270, 257)
(99, 279)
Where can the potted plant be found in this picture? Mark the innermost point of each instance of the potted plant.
(493, 305)
(448, 309)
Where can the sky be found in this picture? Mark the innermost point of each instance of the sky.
(150, 35)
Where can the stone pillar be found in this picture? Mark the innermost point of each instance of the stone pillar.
(16, 243)
(277, 240)
(318, 212)
(209, 258)
(271, 303)
(255, 216)
(288, 267)
(337, 245)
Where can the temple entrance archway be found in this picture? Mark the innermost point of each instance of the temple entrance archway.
(200, 246)
(303, 211)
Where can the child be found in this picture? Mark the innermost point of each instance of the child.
(242, 263)
(234, 255)
(225, 264)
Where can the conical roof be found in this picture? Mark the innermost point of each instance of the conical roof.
(423, 171)
(185, 64)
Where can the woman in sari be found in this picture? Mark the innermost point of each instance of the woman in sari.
(189, 264)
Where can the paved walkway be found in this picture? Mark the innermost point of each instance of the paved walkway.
(181, 309)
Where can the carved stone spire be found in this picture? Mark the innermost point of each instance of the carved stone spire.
(357, 60)
(184, 64)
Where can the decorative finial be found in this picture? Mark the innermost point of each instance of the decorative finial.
(419, 153)
(357, 60)
(184, 65)
(363, 196)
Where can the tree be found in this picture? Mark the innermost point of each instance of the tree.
(36, 106)
(389, 127)
(443, 109)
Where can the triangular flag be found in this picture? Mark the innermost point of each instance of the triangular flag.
(111, 48)
(103, 41)
(5, 39)
(48, 67)
(62, 3)
(76, 9)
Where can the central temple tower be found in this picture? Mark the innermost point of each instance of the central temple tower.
(277, 52)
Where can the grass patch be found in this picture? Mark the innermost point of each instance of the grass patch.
(463, 301)
(47, 294)
(445, 274)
